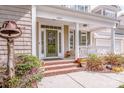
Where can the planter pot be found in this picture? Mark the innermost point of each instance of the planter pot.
(83, 64)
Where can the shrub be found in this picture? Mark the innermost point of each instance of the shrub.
(27, 70)
(28, 63)
(11, 83)
(114, 59)
(117, 69)
(121, 86)
(94, 63)
(121, 60)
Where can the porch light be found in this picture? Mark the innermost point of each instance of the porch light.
(85, 25)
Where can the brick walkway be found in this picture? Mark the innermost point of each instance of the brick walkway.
(83, 80)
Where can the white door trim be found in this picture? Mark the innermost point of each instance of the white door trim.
(59, 55)
(34, 30)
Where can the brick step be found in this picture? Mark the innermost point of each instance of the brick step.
(60, 66)
(61, 71)
(46, 63)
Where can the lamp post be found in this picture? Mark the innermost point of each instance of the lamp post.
(10, 31)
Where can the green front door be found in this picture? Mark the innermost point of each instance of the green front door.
(51, 43)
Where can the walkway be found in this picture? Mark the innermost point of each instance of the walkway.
(83, 80)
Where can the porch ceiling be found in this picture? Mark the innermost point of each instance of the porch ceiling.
(89, 27)
(62, 14)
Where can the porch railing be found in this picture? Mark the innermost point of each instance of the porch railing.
(80, 8)
(101, 50)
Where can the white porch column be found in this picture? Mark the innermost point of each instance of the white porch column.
(77, 41)
(113, 40)
(34, 30)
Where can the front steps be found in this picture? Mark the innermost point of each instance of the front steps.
(57, 67)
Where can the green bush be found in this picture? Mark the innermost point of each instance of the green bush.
(121, 60)
(27, 70)
(12, 83)
(94, 63)
(121, 86)
(27, 64)
(114, 59)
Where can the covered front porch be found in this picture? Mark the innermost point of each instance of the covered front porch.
(60, 30)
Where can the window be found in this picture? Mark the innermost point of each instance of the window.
(51, 27)
(42, 42)
(84, 38)
(99, 12)
(88, 38)
(59, 42)
(109, 13)
(81, 8)
(71, 39)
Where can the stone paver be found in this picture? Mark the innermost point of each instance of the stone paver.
(83, 79)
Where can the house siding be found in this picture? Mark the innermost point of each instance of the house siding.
(22, 16)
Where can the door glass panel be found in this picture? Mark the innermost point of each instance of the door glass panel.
(42, 42)
(71, 39)
(59, 42)
(51, 42)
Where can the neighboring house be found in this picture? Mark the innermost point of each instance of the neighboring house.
(103, 35)
(50, 31)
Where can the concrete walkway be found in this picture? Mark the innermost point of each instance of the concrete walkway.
(83, 80)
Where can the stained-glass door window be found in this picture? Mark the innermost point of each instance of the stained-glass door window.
(51, 43)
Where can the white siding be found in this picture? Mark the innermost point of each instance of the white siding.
(105, 44)
(22, 16)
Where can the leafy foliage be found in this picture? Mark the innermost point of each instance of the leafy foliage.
(11, 83)
(121, 86)
(94, 63)
(27, 70)
(117, 69)
(114, 59)
(29, 63)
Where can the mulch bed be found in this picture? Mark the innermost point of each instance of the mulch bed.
(105, 70)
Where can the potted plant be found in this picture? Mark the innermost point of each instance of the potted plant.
(67, 54)
(81, 61)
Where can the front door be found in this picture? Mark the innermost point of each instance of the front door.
(51, 43)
